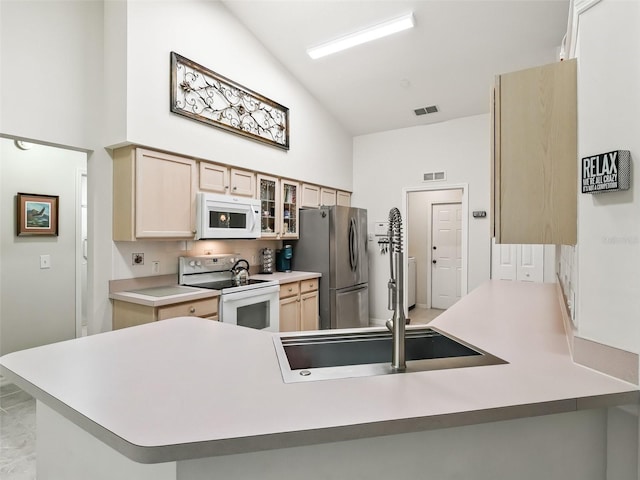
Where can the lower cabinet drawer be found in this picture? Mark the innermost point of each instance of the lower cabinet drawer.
(289, 289)
(199, 308)
(309, 285)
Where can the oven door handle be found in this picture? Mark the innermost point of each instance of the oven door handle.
(253, 292)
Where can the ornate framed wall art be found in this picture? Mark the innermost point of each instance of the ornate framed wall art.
(37, 214)
(203, 95)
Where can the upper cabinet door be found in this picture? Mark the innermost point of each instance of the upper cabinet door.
(269, 195)
(343, 199)
(214, 178)
(327, 196)
(535, 156)
(243, 182)
(289, 209)
(310, 196)
(164, 195)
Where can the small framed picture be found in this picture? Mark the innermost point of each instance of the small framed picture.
(37, 214)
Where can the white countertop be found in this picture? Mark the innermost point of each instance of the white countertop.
(188, 294)
(286, 277)
(190, 388)
(192, 293)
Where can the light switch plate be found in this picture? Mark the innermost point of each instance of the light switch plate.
(45, 261)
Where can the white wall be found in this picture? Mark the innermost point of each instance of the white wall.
(38, 305)
(608, 259)
(385, 163)
(93, 74)
(419, 235)
(208, 34)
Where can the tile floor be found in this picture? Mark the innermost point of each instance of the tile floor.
(17, 434)
(18, 421)
(423, 315)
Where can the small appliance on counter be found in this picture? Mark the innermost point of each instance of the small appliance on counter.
(283, 258)
(267, 260)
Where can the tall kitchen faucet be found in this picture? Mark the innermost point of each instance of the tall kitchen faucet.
(396, 324)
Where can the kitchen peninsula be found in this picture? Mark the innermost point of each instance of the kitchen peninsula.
(187, 398)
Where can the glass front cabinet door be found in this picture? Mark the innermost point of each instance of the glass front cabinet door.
(269, 195)
(289, 196)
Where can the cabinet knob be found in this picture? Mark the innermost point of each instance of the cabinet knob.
(235, 188)
(226, 187)
(192, 310)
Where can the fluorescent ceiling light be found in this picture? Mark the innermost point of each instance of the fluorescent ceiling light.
(368, 34)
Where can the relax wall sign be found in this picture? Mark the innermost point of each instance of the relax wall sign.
(606, 172)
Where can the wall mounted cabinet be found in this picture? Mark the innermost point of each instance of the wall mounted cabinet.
(343, 198)
(279, 207)
(214, 178)
(534, 155)
(243, 182)
(223, 179)
(310, 196)
(315, 196)
(153, 195)
(289, 208)
(327, 196)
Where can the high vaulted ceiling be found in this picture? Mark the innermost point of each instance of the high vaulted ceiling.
(449, 59)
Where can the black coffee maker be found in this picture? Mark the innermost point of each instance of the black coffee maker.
(283, 258)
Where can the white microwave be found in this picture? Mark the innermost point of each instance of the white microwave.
(226, 216)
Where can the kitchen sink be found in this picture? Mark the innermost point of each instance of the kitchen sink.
(367, 352)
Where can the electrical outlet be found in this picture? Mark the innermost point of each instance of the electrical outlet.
(137, 259)
(155, 267)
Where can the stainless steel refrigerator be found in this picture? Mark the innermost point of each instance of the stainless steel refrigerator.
(333, 241)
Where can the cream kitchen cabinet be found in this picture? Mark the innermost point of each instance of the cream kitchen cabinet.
(243, 182)
(214, 177)
(153, 195)
(310, 196)
(343, 198)
(534, 155)
(327, 196)
(315, 196)
(128, 314)
(299, 306)
(279, 207)
(223, 179)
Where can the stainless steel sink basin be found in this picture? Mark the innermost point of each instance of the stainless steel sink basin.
(358, 353)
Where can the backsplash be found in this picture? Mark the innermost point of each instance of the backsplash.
(567, 270)
(166, 254)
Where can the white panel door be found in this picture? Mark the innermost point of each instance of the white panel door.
(503, 264)
(446, 254)
(517, 262)
(530, 263)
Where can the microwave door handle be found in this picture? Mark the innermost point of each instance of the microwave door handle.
(255, 216)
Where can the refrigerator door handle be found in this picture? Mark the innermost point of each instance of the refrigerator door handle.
(353, 245)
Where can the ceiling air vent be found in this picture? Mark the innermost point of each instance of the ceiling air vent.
(434, 176)
(425, 110)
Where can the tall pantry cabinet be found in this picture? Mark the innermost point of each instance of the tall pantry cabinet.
(534, 155)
